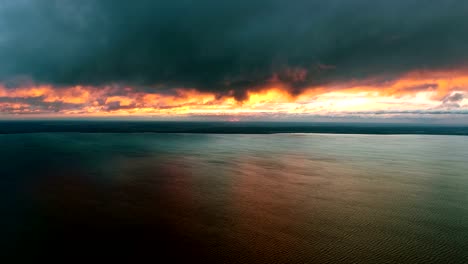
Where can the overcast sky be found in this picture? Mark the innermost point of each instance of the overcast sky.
(226, 48)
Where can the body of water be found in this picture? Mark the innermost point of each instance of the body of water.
(276, 198)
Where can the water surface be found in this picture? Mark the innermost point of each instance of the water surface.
(279, 198)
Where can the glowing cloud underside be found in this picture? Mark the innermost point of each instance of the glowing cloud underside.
(415, 92)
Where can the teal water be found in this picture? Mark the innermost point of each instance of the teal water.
(279, 198)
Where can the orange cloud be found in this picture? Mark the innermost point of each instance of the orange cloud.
(439, 83)
(419, 90)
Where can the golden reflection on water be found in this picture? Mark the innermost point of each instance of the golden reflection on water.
(258, 198)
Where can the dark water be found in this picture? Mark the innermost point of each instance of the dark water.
(280, 198)
(205, 127)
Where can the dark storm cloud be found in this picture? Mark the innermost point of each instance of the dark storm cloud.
(453, 98)
(222, 46)
(452, 101)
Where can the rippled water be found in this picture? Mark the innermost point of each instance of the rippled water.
(285, 198)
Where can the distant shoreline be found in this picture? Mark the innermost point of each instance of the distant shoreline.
(74, 126)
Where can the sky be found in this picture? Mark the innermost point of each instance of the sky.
(234, 60)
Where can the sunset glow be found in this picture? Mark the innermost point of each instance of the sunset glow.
(415, 91)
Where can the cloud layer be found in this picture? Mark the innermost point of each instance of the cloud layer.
(227, 47)
(414, 93)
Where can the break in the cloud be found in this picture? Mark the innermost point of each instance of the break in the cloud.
(416, 93)
(119, 56)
